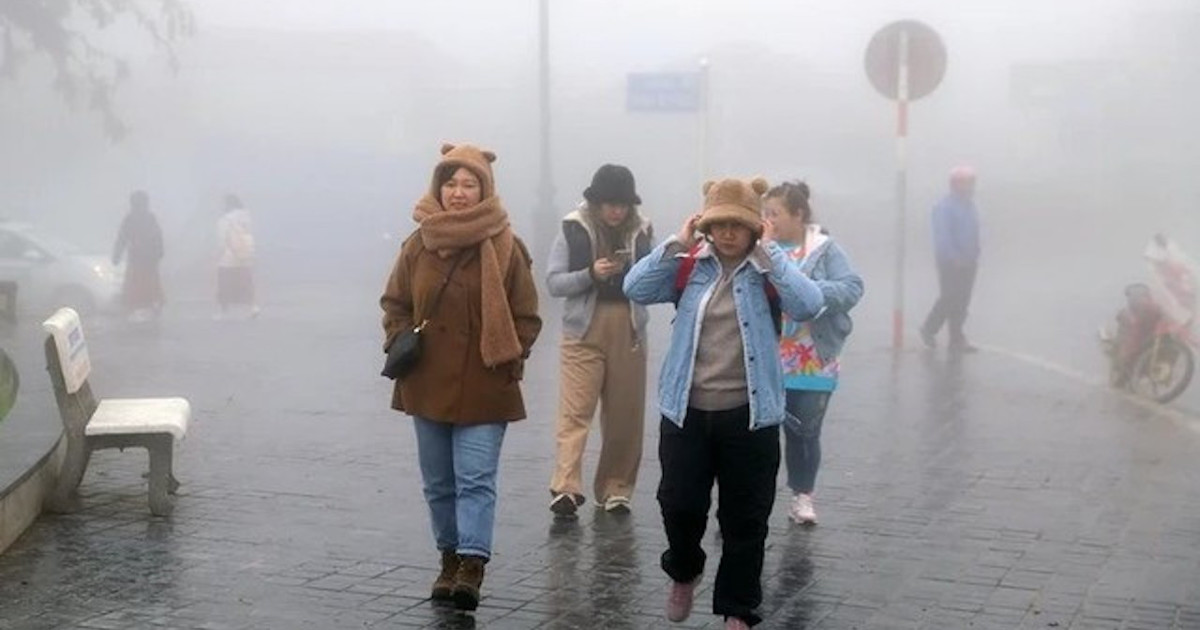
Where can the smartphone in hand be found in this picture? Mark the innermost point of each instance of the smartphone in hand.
(621, 256)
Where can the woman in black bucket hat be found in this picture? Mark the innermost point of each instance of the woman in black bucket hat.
(612, 183)
(603, 357)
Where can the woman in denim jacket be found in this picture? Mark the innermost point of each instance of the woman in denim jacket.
(809, 350)
(721, 390)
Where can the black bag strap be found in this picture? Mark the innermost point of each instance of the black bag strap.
(437, 299)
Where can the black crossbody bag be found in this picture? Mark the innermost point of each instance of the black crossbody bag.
(405, 352)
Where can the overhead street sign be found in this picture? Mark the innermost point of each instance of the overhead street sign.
(663, 92)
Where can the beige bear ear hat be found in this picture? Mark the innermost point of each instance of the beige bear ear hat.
(734, 200)
(471, 157)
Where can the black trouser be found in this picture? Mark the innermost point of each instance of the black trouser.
(956, 282)
(719, 445)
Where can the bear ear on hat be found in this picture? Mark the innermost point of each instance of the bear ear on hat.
(447, 147)
(489, 156)
(760, 185)
(708, 185)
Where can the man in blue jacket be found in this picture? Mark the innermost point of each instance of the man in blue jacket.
(956, 246)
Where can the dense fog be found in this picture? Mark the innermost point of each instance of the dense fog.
(326, 119)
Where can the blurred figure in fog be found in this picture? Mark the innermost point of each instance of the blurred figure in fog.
(809, 350)
(140, 245)
(721, 390)
(235, 258)
(956, 248)
(603, 354)
(467, 386)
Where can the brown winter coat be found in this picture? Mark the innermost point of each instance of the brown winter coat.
(451, 384)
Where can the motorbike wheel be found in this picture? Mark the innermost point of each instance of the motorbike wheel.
(1163, 370)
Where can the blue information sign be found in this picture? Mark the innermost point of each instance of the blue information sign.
(663, 92)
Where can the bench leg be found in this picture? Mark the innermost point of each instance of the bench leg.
(65, 498)
(162, 481)
(172, 486)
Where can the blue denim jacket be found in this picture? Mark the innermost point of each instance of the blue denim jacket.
(842, 287)
(652, 281)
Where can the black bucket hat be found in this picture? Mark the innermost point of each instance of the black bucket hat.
(612, 183)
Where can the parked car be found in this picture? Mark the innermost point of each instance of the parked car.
(49, 272)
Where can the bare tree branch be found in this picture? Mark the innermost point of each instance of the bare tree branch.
(66, 31)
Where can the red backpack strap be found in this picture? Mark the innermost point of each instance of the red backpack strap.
(772, 292)
(684, 273)
(773, 304)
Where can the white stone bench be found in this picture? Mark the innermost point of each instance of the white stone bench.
(155, 424)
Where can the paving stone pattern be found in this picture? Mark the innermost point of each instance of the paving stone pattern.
(976, 493)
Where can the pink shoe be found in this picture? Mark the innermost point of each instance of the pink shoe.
(679, 600)
(801, 511)
(733, 623)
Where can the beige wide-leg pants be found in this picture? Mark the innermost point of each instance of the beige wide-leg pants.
(605, 368)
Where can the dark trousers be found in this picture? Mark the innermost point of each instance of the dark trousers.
(719, 445)
(956, 282)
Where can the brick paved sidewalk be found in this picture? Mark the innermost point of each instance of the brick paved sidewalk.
(977, 494)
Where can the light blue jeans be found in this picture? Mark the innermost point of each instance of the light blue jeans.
(459, 467)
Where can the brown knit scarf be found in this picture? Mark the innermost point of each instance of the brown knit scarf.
(484, 226)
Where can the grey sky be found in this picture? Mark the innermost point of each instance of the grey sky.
(591, 37)
(467, 17)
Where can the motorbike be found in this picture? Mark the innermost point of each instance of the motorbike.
(1152, 350)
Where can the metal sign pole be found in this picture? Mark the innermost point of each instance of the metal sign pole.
(901, 190)
(702, 133)
(905, 61)
(546, 210)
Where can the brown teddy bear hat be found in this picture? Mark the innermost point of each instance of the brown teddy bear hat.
(733, 200)
(471, 157)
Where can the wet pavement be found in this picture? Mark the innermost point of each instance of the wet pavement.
(982, 492)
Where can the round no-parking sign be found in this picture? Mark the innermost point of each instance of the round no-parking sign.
(926, 59)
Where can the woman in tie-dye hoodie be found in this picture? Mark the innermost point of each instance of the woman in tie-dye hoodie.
(809, 350)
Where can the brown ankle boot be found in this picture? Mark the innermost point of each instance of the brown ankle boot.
(443, 586)
(468, 582)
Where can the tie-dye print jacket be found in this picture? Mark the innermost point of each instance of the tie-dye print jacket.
(809, 350)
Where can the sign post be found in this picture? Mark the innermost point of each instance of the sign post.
(703, 133)
(905, 61)
(545, 190)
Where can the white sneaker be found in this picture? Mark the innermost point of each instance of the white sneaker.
(802, 512)
(617, 505)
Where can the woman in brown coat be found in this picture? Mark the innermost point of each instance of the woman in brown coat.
(466, 388)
